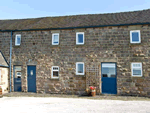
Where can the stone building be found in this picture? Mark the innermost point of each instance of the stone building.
(67, 54)
(3, 73)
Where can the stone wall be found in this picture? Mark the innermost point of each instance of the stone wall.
(4, 79)
(5, 46)
(106, 44)
(5, 43)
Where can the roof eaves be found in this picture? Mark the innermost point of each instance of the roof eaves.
(4, 66)
(9, 30)
(4, 59)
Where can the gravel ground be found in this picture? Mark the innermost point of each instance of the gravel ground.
(70, 105)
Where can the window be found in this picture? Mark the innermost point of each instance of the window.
(136, 69)
(79, 68)
(18, 40)
(109, 70)
(55, 38)
(80, 38)
(135, 36)
(55, 72)
(17, 73)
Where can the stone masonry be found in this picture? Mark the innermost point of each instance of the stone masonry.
(103, 44)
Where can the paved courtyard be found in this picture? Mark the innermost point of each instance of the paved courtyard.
(70, 105)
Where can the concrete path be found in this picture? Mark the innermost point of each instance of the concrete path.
(70, 105)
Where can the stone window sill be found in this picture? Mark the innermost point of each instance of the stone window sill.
(79, 75)
(134, 44)
(137, 76)
(55, 78)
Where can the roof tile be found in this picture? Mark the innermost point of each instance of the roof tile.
(142, 16)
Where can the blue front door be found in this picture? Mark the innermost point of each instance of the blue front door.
(31, 78)
(17, 78)
(109, 84)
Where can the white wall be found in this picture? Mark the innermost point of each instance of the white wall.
(4, 79)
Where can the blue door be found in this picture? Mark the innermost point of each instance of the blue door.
(17, 78)
(31, 78)
(109, 83)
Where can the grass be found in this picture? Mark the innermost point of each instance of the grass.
(97, 97)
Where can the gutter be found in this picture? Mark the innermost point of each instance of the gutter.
(4, 66)
(10, 58)
(76, 27)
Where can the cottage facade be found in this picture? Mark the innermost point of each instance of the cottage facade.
(68, 54)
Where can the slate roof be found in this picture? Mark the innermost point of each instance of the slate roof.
(142, 16)
(3, 62)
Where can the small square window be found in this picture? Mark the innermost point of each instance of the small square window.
(136, 69)
(80, 38)
(79, 68)
(135, 36)
(55, 72)
(18, 40)
(55, 39)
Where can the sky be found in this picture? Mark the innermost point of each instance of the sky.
(19, 9)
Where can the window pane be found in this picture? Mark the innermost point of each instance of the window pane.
(108, 70)
(55, 38)
(80, 68)
(108, 65)
(18, 39)
(136, 71)
(17, 73)
(80, 38)
(55, 68)
(136, 65)
(135, 36)
(55, 74)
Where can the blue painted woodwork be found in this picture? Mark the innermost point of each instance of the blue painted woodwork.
(109, 84)
(135, 36)
(31, 78)
(17, 82)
